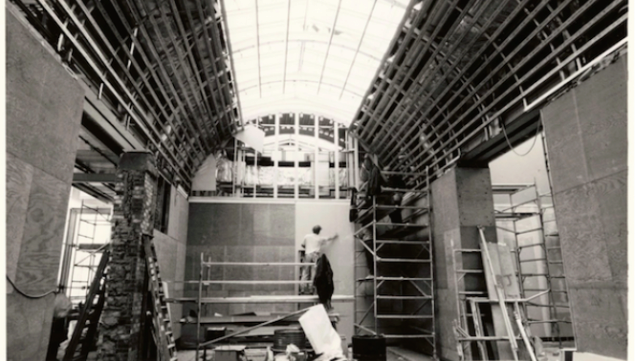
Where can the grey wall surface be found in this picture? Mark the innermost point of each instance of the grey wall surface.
(461, 201)
(242, 233)
(44, 107)
(171, 250)
(587, 150)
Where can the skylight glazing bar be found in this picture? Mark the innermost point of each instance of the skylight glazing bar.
(383, 60)
(258, 49)
(286, 48)
(359, 45)
(328, 47)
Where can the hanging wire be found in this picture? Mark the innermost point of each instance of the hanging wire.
(532, 145)
(31, 296)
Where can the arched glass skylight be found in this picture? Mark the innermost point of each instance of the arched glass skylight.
(308, 55)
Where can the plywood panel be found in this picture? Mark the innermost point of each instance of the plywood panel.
(601, 103)
(43, 233)
(581, 234)
(333, 218)
(599, 321)
(44, 105)
(564, 143)
(19, 177)
(30, 324)
(586, 136)
(474, 195)
(444, 194)
(613, 195)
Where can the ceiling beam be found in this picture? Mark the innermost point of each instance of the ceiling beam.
(544, 62)
(95, 178)
(458, 94)
(161, 79)
(143, 123)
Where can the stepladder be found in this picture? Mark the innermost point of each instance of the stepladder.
(161, 318)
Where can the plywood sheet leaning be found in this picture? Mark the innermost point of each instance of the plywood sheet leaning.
(500, 273)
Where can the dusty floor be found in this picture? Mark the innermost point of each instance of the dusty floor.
(393, 354)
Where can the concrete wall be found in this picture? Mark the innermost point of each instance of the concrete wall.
(587, 148)
(171, 250)
(44, 107)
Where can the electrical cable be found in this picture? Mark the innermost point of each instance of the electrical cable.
(27, 295)
(532, 145)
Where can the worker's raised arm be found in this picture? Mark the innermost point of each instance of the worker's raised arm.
(328, 240)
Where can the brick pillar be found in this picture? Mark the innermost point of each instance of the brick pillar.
(133, 218)
(461, 200)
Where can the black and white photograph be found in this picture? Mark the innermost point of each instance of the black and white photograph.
(316, 180)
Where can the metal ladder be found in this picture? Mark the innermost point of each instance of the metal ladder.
(542, 255)
(83, 340)
(504, 298)
(162, 330)
(402, 280)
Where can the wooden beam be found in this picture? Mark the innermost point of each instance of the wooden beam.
(95, 178)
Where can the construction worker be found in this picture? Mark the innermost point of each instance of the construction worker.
(313, 245)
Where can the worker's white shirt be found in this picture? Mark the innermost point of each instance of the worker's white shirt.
(313, 242)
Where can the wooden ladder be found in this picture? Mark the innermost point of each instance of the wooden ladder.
(83, 340)
(162, 323)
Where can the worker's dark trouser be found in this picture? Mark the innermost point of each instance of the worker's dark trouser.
(369, 256)
(307, 273)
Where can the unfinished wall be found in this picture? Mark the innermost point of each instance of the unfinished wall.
(461, 201)
(44, 107)
(241, 232)
(333, 218)
(170, 249)
(587, 150)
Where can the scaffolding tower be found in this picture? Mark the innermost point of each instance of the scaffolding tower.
(394, 288)
(529, 220)
(83, 249)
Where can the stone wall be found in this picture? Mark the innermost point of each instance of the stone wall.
(120, 328)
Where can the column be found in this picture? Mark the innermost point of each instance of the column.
(461, 200)
(120, 327)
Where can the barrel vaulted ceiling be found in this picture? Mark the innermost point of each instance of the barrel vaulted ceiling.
(421, 83)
